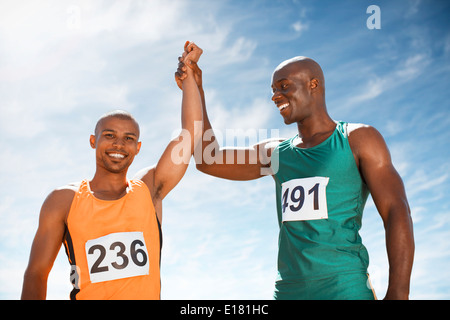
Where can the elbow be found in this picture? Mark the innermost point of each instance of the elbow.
(34, 285)
(35, 275)
(208, 169)
(201, 166)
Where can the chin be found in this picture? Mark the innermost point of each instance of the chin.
(288, 121)
(117, 168)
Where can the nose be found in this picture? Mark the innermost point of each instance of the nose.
(118, 143)
(276, 96)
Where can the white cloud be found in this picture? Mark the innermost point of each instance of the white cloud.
(412, 67)
(372, 89)
(299, 27)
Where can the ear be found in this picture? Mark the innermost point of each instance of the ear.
(138, 147)
(92, 141)
(314, 83)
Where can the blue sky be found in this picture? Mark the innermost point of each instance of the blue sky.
(65, 63)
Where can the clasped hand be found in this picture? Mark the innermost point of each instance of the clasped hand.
(189, 58)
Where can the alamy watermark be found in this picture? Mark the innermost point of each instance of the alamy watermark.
(374, 20)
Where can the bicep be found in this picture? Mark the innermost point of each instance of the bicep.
(383, 180)
(49, 235)
(232, 164)
(387, 190)
(238, 163)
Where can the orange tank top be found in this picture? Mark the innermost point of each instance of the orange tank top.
(114, 246)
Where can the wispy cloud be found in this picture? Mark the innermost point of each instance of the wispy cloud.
(407, 70)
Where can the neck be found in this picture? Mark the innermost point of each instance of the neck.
(315, 129)
(109, 186)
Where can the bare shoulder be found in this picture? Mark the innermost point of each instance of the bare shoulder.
(64, 193)
(58, 202)
(367, 143)
(147, 175)
(359, 133)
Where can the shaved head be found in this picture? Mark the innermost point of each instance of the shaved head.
(120, 114)
(307, 66)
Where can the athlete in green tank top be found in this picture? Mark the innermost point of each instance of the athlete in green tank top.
(323, 177)
(320, 200)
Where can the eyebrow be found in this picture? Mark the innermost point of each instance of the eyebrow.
(278, 81)
(114, 131)
(282, 79)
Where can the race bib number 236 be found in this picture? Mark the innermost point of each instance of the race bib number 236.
(116, 256)
(304, 199)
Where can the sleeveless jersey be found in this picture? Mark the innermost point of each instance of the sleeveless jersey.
(114, 246)
(320, 200)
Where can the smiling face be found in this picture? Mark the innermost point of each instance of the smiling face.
(295, 84)
(116, 142)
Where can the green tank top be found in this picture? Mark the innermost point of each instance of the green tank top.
(320, 200)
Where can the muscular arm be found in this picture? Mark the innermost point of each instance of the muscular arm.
(389, 196)
(46, 244)
(175, 159)
(236, 163)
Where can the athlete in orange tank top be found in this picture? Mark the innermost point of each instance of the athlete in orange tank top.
(110, 225)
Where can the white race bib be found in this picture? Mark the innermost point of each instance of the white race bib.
(304, 199)
(116, 256)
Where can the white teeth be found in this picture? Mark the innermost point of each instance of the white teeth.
(283, 106)
(117, 155)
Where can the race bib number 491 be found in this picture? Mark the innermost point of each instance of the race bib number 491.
(304, 199)
(116, 256)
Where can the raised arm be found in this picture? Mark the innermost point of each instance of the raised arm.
(175, 159)
(46, 244)
(389, 196)
(228, 163)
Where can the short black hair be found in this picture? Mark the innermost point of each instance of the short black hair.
(121, 114)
